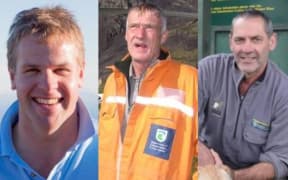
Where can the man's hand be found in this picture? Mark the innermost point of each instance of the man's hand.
(262, 170)
(216, 157)
(205, 157)
(210, 165)
(213, 172)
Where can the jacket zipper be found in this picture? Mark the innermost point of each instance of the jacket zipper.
(237, 117)
(128, 110)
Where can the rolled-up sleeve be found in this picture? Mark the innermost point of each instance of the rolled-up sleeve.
(280, 167)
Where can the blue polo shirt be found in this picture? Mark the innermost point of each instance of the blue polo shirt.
(79, 162)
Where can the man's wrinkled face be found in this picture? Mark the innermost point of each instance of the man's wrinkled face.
(251, 45)
(143, 35)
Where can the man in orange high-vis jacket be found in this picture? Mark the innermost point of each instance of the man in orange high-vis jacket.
(148, 117)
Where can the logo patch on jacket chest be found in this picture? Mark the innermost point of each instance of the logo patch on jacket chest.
(260, 125)
(159, 142)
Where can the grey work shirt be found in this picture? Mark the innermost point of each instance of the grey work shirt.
(243, 130)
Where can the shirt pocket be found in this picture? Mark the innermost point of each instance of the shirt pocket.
(212, 127)
(251, 147)
(108, 126)
(255, 133)
(217, 107)
(154, 158)
(108, 111)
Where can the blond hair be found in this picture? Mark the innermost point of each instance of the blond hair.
(44, 23)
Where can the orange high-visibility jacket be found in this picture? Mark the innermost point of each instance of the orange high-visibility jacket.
(161, 135)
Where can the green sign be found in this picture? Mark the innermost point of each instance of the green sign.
(222, 11)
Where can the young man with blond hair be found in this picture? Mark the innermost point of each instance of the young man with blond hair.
(47, 133)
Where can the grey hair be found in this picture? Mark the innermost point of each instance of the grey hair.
(252, 13)
(144, 7)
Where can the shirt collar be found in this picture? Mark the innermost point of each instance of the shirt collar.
(238, 75)
(132, 73)
(7, 122)
(87, 128)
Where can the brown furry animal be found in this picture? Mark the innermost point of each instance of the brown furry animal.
(213, 172)
(207, 168)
